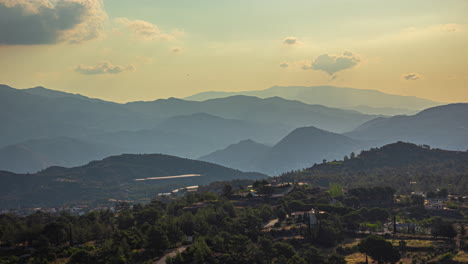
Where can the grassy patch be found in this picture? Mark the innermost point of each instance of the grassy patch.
(462, 257)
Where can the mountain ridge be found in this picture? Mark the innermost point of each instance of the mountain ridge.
(332, 96)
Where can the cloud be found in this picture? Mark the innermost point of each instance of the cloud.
(449, 28)
(103, 67)
(145, 30)
(291, 41)
(411, 76)
(332, 64)
(284, 65)
(38, 22)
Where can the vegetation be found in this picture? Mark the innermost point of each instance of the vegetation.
(403, 166)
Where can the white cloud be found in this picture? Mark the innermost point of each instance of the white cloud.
(103, 67)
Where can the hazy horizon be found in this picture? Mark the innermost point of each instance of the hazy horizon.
(209, 91)
(144, 50)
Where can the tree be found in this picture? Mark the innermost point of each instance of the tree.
(442, 228)
(296, 259)
(462, 230)
(200, 250)
(227, 191)
(284, 249)
(336, 259)
(156, 240)
(431, 195)
(443, 193)
(352, 220)
(417, 200)
(379, 249)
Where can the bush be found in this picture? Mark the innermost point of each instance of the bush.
(446, 257)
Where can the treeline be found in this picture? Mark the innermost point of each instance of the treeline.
(217, 231)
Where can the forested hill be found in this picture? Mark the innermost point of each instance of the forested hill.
(403, 166)
(118, 177)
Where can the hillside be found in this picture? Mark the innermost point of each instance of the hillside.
(304, 147)
(111, 178)
(394, 165)
(367, 101)
(241, 155)
(443, 127)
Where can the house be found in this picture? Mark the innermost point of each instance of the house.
(408, 227)
(310, 216)
(434, 206)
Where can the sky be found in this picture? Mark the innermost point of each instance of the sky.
(122, 50)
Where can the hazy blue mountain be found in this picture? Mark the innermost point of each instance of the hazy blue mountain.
(299, 149)
(185, 136)
(111, 178)
(34, 155)
(25, 116)
(388, 111)
(222, 131)
(155, 141)
(443, 127)
(42, 91)
(39, 113)
(242, 155)
(273, 110)
(331, 96)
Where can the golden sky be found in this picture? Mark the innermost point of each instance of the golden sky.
(123, 50)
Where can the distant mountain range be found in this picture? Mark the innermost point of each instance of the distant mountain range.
(443, 127)
(118, 177)
(366, 101)
(37, 117)
(299, 149)
(25, 116)
(274, 110)
(42, 128)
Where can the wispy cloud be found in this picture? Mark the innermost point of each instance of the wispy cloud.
(103, 67)
(145, 30)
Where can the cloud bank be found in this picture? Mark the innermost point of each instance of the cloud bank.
(332, 64)
(104, 67)
(38, 22)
